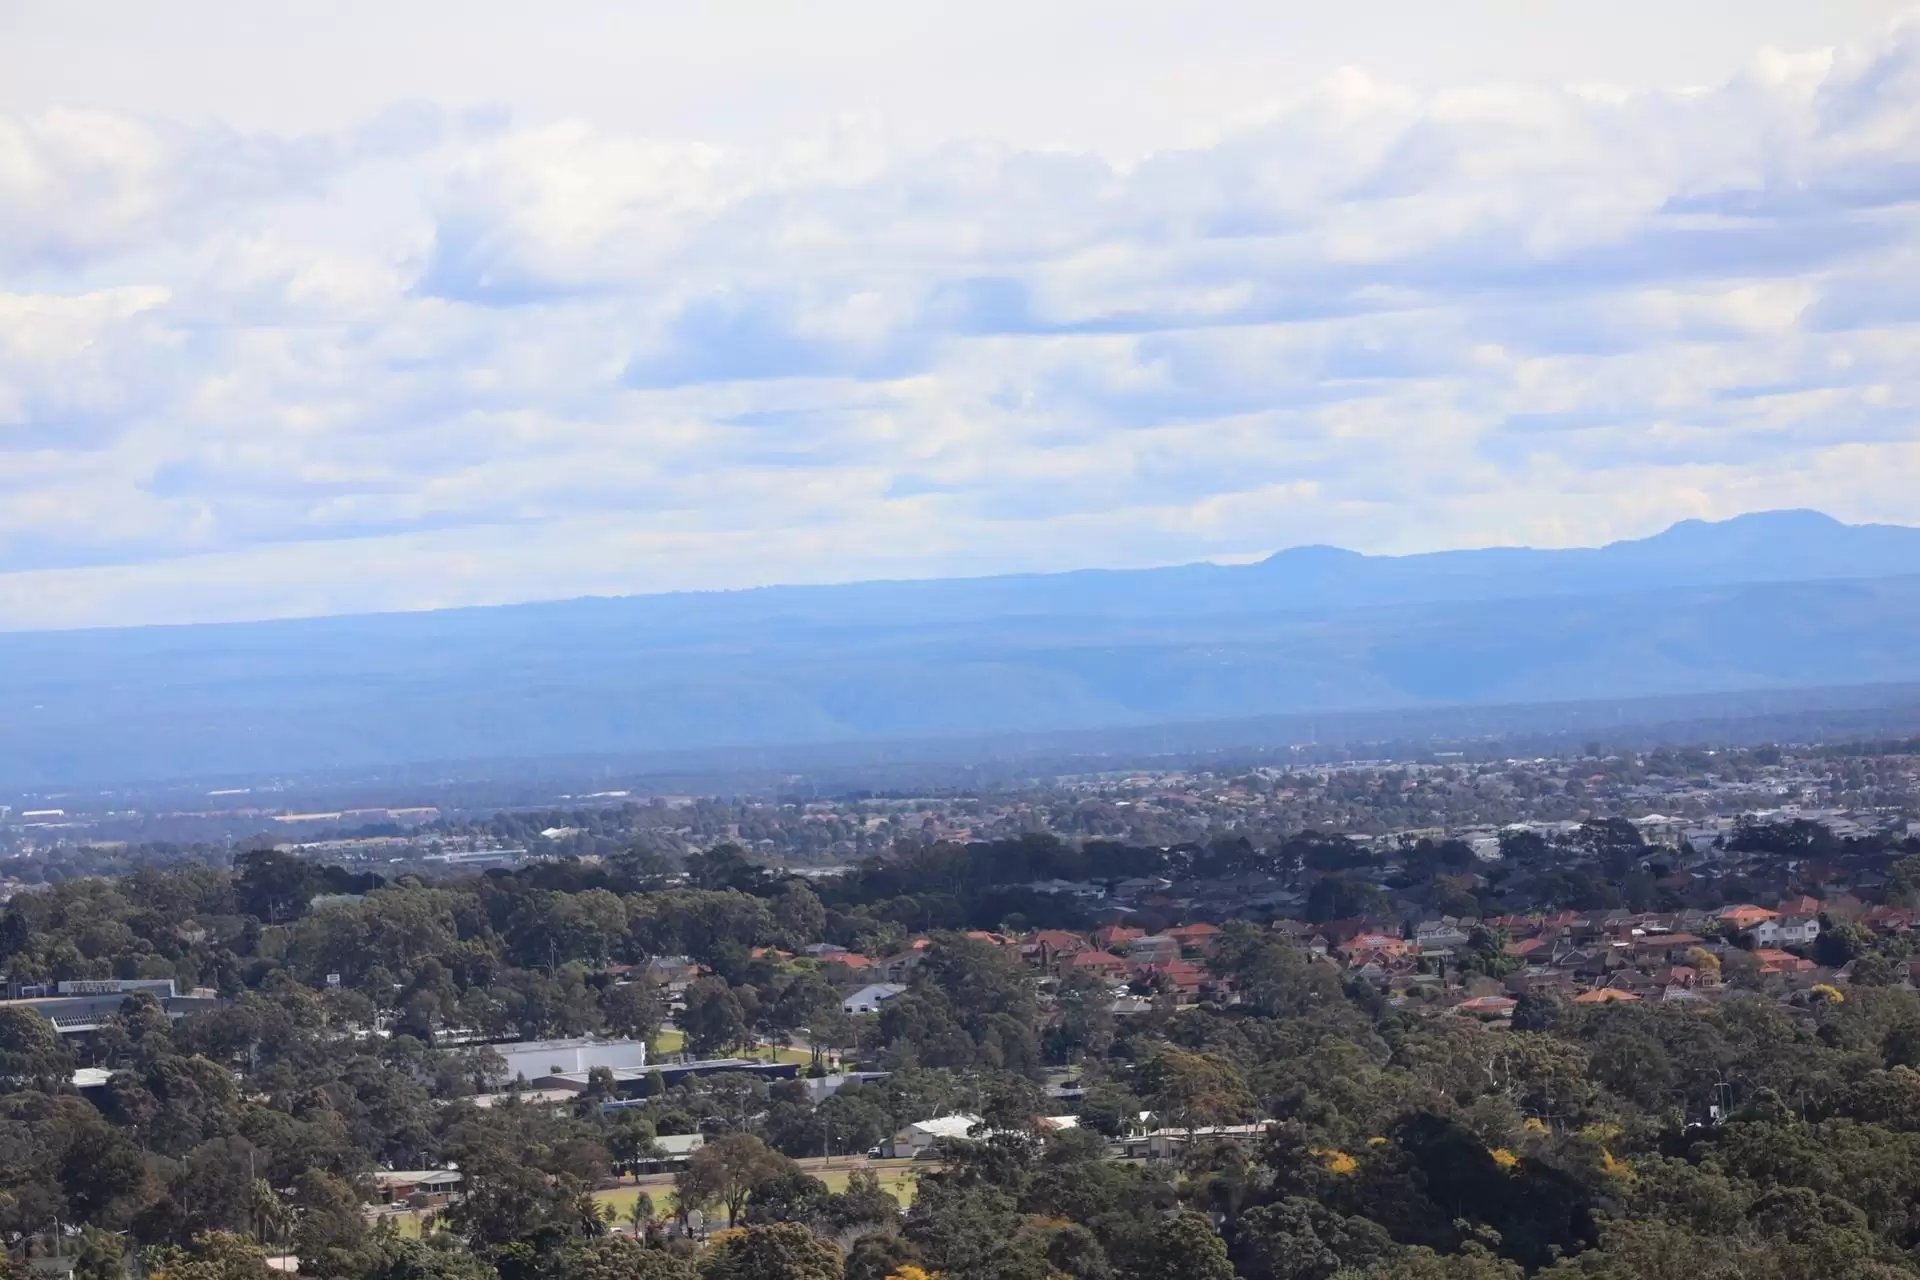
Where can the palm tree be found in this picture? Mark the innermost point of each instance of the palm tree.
(587, 1213)
(268, 1211)
(640, 1213)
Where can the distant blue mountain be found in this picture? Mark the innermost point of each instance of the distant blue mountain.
(1770, 601)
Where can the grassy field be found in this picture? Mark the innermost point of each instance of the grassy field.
(668, 1042)
(896, 1178)
(407, 1224)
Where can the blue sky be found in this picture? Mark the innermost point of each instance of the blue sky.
(312, 309)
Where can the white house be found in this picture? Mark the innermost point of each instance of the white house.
(869, 998)
(1786, 931)
(919, 1138)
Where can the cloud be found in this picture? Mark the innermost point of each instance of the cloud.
(444, 358)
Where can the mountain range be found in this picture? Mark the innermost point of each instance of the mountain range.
(1774, 600)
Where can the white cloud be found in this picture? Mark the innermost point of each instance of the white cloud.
(440, 358)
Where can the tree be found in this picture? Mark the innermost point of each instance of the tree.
(1272, 978)
(214, 1255)
(267, 1211)
(1473, 1262)
(102, 1256)
(630, 1138)
(1189, 1090)
(713, 1021)
(613, 1258)
(1335, 897)
(389, 1257)
(791, 1196)
(863, 1203)
(31, 1054)
(1084, 1027)
(778, 1251)
(332, 1227)
(1183, 1246)
(275, 887)
(1299, 1239)
(727, 1170)
(505, 1198)
(881, 1256)
(631, 1009)
(1874, 970)
(801, 917)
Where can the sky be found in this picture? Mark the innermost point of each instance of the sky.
(331, 307)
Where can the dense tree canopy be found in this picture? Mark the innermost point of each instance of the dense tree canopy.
(1280, 1118)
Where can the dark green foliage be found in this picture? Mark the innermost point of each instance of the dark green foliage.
(779, 1251)
(1405, 1141)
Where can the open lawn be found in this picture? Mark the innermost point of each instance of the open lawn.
(672, 1041)
(622, 1198)
(783, 1054)
(897, 1178)
(407, 1224)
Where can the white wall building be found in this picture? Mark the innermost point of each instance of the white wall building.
(532, 1059)
(869, 998)
(1786, 931)
(919, 1137)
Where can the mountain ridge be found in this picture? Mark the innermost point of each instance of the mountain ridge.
(1710, 609)
(1756, 547)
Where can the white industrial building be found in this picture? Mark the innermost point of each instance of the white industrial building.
(533, 1059)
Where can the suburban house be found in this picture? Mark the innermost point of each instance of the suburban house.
(1049, 948)
(1201, 938)
(1154, 949)
(398, 1186)
(1101, 964)
(1786, 931)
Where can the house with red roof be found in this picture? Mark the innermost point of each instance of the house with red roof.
(1200, 937)
(1487, 1006)
(1047, 948)
(1746, 915)
(1182, 977)
(1774, 962)
(1101, 964)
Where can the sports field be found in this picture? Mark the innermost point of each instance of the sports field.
(897, 1178)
